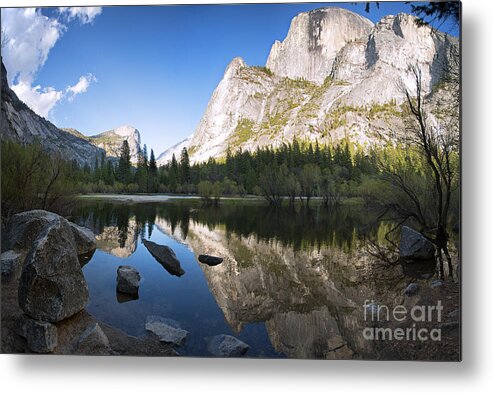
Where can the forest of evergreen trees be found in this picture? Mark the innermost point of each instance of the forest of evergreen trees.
(296, 170)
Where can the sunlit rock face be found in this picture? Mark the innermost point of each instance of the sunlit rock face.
(378, 67)
(23, 125)
(176, 149)
(120, 242)
(310, 300)
(240, 96)
(111, 141)
(313, 41)
(335, 75)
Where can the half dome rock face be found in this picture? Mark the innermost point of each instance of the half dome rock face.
(313, 41)
(335, 76)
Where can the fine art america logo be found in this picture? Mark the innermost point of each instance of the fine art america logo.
(419, 315)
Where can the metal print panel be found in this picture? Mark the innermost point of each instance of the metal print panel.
(261, 180)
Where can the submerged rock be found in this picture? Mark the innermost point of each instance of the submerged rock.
(225, 345)
(414, 245)
(165, 256)
(412, 289)
(11, 265)
(127, 280)
(41, 337)
(93, 341)
(168, 330)
(52, 286)
(210, 260)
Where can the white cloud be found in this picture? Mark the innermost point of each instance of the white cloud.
(84, 14)
(81, 86)
(40, 100)
(27, 38)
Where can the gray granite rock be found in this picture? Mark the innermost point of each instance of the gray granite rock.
(414, 245)
(52, 286)
(225, 345)
(93, 341)
(165, 256)
(11, 265)
(127, 280)
(24, 228)
(168, 330)
(84, 239)
(41, 337)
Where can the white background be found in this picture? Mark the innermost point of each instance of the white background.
(475, 373)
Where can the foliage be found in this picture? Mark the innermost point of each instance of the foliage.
(124, 164)
(34, 179)
(265, 70)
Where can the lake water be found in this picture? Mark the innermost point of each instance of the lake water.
(292, 283)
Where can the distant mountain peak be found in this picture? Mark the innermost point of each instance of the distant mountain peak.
(125, 130)
(111, 141)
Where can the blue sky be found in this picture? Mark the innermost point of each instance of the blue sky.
(151, 67)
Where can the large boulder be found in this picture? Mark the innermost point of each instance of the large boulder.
(24, 228)
(168, 330)
(84, 239)
(225, 345)
(52, 286)
(93, 341)
(165, 256)
(127, 280)
(41, 337)
(11, 265)
(414, 245)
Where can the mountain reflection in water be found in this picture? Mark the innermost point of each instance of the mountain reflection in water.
(292, 283)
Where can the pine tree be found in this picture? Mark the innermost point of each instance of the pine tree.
(153, 173)
(173, 174)
(141, 175)
(184, 167)
(124, 165)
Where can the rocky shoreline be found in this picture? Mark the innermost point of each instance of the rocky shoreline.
(44, 293)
